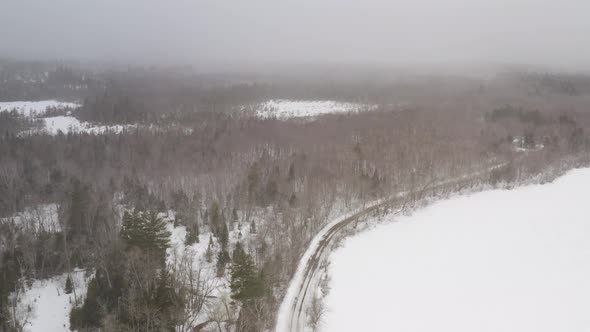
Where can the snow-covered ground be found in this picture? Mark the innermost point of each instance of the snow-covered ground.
(285, 109)
(502, 260)
(34, 108)
(194, 257)
(65, 124)
(43, 217)
(45, 307)
(53, 125)
(69, 124)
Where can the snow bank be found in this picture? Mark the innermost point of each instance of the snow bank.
(33, 108)
(513, 260)
(285, 109)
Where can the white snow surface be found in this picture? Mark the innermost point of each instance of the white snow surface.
(283, 316)
(42, 217)
(503, 260)
(65, 124)
(69, 124)
(179, 252)
(50, 304)
(33, 108)
(285, 109)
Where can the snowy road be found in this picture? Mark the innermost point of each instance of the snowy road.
(292, 312)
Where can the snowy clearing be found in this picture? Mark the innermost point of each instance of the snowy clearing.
(69, 124)
(194, 257)
(503, 260)
(65, 124)
(42, 217)
(49, 304)
(285, 109)
(34, 108)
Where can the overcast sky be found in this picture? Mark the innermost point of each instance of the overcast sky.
(547, 32)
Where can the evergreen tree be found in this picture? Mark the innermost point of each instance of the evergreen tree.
(252, 181)
(215, 218)
(78, 213)
(291, 171)
(146, 231)
(252, 227)
(193, 234)
(209, 254)
(166, 299)
(222, 259)
(224, 237)
(246, 282)
(293, 200)
(235, 218)
(90, 314)
(69, 285)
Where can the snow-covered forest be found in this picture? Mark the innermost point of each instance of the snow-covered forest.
(153, 199)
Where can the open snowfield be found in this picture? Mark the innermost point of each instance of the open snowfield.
(34, 108)
(505, 260)
(49, 304)
(65, 124)
(285, 109)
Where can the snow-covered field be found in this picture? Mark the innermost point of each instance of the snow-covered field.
(69, 124)
(65, 124)
(46, 307)
(503, 260)
(34, 108)
(53, 125)
(285, 109)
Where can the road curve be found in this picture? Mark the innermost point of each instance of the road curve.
(292, 312)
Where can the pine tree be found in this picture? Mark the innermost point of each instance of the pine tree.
(224, 237)
(291, 171)
(90, 313)
(222, 259)
(215, 218)
(235, 218)
(293, 200)
(166, 299)
(193, 235)
(146, 231)
(78, 210)
(69, 285)
(246, 282)
(252, 227)
(209, 254)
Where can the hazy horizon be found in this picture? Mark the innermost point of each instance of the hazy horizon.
(264, 32)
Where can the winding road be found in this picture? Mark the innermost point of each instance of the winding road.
(292, 313)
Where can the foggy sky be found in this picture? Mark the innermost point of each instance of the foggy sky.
(545, 32)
